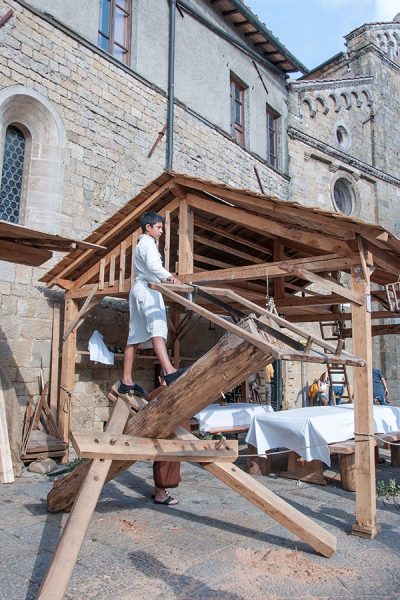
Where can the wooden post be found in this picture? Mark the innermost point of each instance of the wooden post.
(167, 239)
(6, 468)
(65, 556)
(177, 342)
(186, 233)
(365, 524)
(67, 369)
(55, 362)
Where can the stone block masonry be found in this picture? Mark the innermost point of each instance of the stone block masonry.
(111, 120)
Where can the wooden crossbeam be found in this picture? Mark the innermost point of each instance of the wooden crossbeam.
(86, 307)
(328, 283)
(270, 228)
(128, 447)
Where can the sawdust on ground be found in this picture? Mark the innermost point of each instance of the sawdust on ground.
(288, 563)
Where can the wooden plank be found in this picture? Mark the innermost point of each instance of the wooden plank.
(328, 283)
(6, 468)
(203, 224)
(314, 263)
(128, 447)
(55, 361)
(254, 491)
(227, 249)
(111, 273)
(122, 265)
(67, 370)
(102, 268)
(74, 324)
(167, 238)
(186, 231)
(23, 255)
(65, 556)
(198, 258)
(270, 228)
(365, 524)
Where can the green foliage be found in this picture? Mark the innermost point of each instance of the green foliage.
(388, 489)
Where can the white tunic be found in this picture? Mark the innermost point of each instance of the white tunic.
(146, 306)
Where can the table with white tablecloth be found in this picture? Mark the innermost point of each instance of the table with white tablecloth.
(230, 416)
(308, 431)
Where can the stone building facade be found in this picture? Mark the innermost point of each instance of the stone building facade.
(344, 142)
(89, 121)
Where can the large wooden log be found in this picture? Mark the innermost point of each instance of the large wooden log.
(226, 365)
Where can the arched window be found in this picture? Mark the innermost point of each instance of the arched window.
(12, 173)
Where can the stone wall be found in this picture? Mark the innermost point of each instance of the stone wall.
(111, 119)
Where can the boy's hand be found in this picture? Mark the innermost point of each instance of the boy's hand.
(173, 279)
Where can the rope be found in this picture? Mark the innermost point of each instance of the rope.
(67, 400)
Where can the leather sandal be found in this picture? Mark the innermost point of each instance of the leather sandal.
(169, 379)
(134, 389)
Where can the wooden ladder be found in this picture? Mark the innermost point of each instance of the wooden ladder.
(332, 330)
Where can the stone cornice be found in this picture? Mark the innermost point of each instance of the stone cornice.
(296, 134)
(321, 84)
(381, 55)
(372, 27)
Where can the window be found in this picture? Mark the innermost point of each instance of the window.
(115, 28)
(344, 196)
(237, 111)
(272, 137)
(12, 173)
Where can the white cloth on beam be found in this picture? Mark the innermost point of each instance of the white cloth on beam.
(315, 427)
(146, 306)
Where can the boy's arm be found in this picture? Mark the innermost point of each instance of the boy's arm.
(154, 263)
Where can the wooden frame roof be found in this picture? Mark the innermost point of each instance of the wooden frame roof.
(25, 246)
(259, 245)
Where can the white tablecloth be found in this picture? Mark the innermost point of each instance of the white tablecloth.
(239, 414)
(316, 427)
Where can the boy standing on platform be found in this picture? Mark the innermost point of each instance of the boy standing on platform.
(147, 315)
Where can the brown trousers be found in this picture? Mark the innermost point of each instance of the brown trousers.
(166, 474)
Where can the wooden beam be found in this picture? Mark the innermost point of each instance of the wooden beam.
(328, 283)
(65, 556)
(270, 228)
(73, 326)
(230, 236)
(161, 417)
(55, 362)
(67, 370)
(227, 249)
(198, 258)
(292, 301)
(167, 239)
(15, 252)
(365, 524)
(186, 232)
(108, 446)
(313, 263)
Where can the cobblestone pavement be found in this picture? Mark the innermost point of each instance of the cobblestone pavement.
(213, 544)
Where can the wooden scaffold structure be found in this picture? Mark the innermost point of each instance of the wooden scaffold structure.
(226, 244)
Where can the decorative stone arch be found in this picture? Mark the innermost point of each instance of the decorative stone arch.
(355, 96)
(320, 101)
(311, 106)
(346, 100)
(351, 182)
(367, 95)
(45, 136)
(336, 101)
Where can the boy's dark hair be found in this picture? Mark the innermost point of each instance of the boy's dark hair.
(150, 218)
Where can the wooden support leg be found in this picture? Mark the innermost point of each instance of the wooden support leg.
(307, 530)
(395, 455)
(258, 465)
(347, 470)
(67, 370)
(365, 524)
(298, 468)
(59, 573)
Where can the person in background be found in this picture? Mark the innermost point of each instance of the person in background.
(268, 376)
(380, 389)
(323, 389)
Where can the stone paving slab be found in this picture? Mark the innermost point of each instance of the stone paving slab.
(213, 544)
